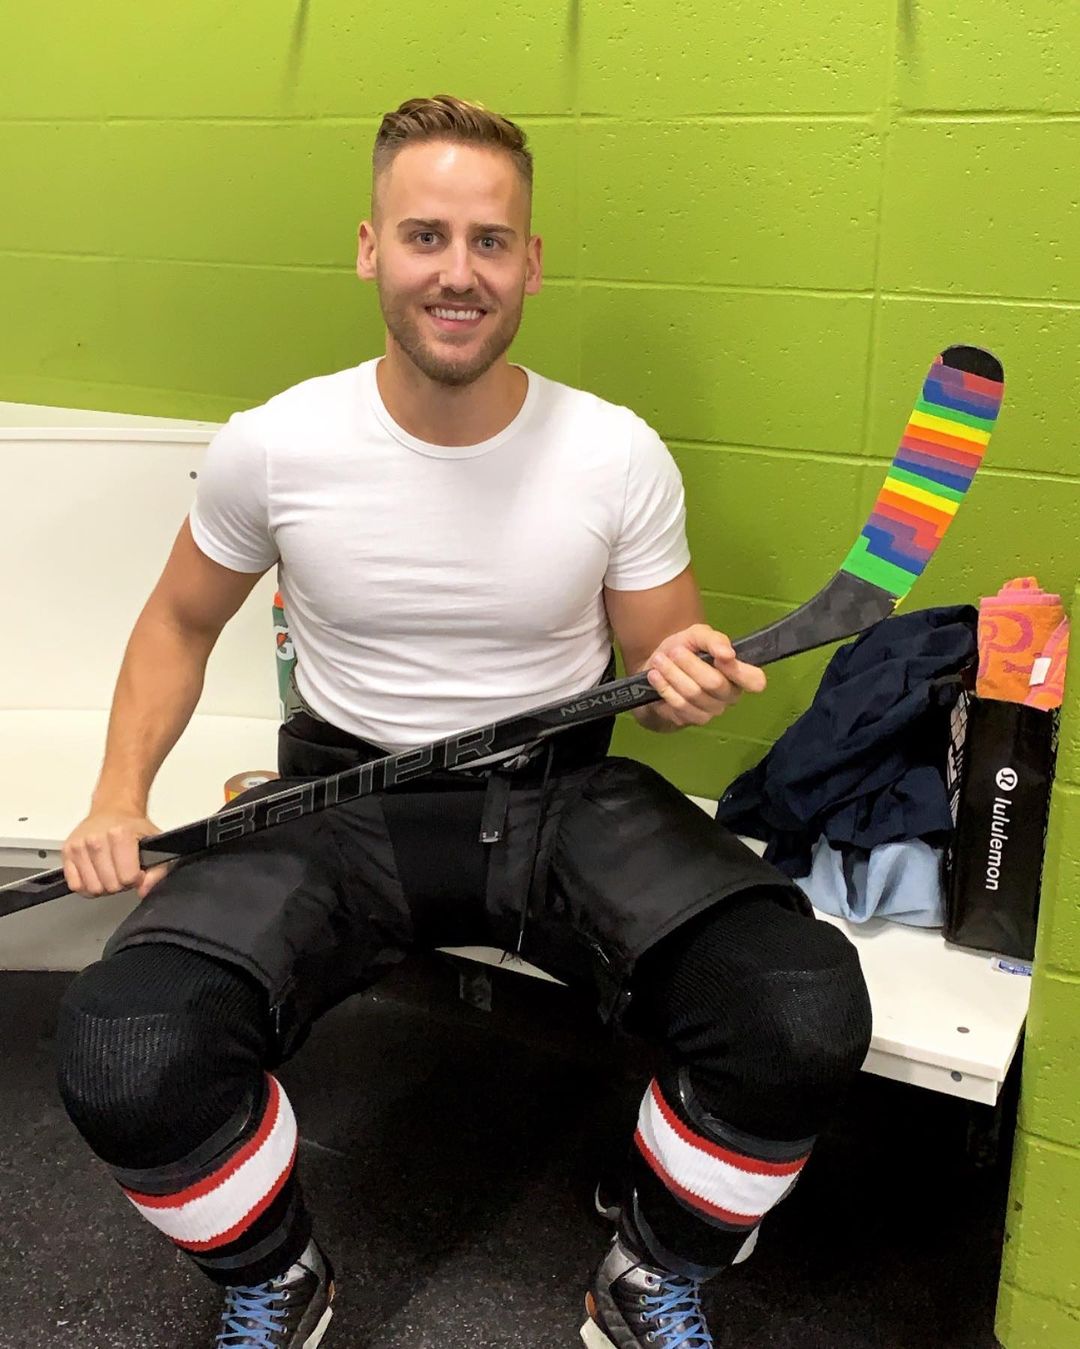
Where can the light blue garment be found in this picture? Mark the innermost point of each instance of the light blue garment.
(901, 881)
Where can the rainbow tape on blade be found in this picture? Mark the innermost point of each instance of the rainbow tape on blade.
(940, 451)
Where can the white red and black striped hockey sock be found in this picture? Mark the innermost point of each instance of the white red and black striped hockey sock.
(704, 1186)
(233, 1205)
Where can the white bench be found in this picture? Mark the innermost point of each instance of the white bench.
(91, 505)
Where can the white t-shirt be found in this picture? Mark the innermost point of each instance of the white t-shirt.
(432, 588)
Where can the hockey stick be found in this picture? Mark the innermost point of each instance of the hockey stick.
(940, 451)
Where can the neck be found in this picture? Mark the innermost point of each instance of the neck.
(445, 414)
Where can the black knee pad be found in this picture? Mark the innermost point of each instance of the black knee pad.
(806, 1029)
(768, 1009)
(157, 1048)
(813, 1012)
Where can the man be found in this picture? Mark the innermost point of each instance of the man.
(458, 540)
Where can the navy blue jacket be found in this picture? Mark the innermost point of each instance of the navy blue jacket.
(865, 763)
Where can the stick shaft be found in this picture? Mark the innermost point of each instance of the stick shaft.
(787, 637)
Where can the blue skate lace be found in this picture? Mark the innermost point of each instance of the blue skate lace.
(250, 1319)
(679, 1301)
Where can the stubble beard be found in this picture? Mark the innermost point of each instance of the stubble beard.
(404, 327)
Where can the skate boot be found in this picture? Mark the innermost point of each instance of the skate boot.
(634, 1303)
(289, 1312)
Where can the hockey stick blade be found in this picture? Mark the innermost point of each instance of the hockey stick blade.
(940, 451)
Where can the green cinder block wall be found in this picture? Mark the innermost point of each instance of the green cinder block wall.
(761, 221)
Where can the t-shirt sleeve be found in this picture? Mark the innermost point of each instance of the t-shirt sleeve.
(651, 546)
(230, 518)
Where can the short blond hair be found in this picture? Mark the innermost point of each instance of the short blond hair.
(447, 118)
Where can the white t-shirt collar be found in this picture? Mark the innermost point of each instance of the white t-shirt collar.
(370, 390)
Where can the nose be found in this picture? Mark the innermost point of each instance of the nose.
(457, 269)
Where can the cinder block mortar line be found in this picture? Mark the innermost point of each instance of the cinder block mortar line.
(915, 296)
(951, 115)
(1062, 976)
(1048, 1300)
(1071, 1309)
(948, 116)
(598, 282)
(1052, 1145)
(573, 34)
(860, 460)
(883, 118)
(299, 119)
(955, 115)
(746, 599)
(731, 736)
(74, 254)
(76, 383)
(1029, 474)
(765, 451)
(724, 118)
(884, 130)
(718, 287)
(345, 268)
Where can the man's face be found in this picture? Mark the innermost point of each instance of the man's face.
(451, 255)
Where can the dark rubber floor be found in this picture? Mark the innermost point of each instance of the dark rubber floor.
(449, 1157)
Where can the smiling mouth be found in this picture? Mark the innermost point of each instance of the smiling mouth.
(455, 315)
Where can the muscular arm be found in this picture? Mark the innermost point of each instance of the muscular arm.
(662, 629)
(163, 670)
(641, 619)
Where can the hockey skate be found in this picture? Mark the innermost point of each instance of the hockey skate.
(633, 1303)
(289, 1312)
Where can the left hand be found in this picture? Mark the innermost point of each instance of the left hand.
(693, 691)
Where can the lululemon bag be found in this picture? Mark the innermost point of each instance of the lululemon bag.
(1003, 762)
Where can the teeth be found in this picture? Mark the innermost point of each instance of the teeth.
(461, 314)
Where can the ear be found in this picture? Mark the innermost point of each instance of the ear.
(367, 251)
(534, 265)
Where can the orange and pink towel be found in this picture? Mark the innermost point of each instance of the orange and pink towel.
(1023, 645)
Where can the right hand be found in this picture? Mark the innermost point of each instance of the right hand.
(101, 855)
